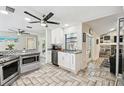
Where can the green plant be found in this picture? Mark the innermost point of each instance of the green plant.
(11, 46)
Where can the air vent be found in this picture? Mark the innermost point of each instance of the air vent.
(10, 9)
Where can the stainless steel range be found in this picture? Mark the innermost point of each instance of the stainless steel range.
(9, 69)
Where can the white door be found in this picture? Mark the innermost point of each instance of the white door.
(31, 43)
(67, 60)
(60, 56)
(89, 47)
(72, 61)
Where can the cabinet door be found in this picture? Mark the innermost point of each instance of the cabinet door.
(67, 60)
(72, 61)
(60, 58)
(49, 56)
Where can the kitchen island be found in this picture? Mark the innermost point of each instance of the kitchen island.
(70, 60)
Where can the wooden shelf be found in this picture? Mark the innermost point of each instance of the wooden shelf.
(72, 38)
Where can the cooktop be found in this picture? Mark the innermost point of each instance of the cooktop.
(7, 58)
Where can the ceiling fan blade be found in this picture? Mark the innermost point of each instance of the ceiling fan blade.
(51, 22)
(48, 16)
(35, 22)
(12, 30)
(29, 27)
(26, 33)
(21, 31)
(31, 15)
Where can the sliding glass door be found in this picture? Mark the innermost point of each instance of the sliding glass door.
(89, 47)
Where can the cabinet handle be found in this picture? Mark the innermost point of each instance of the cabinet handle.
(62, 58)
(72, 60)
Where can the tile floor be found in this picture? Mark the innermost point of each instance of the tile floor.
(50, 75)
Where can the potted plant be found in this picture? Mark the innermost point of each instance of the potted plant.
(10, 46)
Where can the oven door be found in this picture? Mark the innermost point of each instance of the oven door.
(9, 70)
(30, 59)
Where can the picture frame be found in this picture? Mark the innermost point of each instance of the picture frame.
(84, 37)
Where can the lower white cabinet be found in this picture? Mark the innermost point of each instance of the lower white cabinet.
(49, 56)
(70, 61)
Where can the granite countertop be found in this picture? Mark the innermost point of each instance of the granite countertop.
(70, 51)
(21, 52)
(26, 53)
(73, 51)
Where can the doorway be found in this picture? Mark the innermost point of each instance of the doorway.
(89, 48)
(31, 43)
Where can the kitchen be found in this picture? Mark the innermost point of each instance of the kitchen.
(30, 48)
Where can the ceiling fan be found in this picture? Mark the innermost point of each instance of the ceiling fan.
(43, 21)
(19, 31)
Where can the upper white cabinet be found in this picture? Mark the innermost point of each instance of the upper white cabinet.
(57, 36)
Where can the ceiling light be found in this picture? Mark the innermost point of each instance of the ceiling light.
(112, 29)
(3, 12)
(66, 25)
(27, 19)
(18, 34)
(43, 24)
(122, 28)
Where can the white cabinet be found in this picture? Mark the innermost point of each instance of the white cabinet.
(57, 36)
(60, 58)
(71, 62)
(64, 60)
(72, 66)
(67, 60)
(49, 56)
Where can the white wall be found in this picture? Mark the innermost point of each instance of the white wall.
(76, 29)
(21, 44)
(95, 47)
(111, 41)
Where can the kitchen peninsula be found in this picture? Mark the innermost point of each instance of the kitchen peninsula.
(70, 60)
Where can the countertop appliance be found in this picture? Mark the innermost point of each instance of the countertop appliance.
(9, 69)
(56, 47)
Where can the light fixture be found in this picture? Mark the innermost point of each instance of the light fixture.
(43, 24)
(27, 19)
(112, 29)
(18, 34)
(3, 12)
(66, 25)
(122, 28)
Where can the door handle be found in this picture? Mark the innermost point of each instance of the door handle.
(62, 58)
